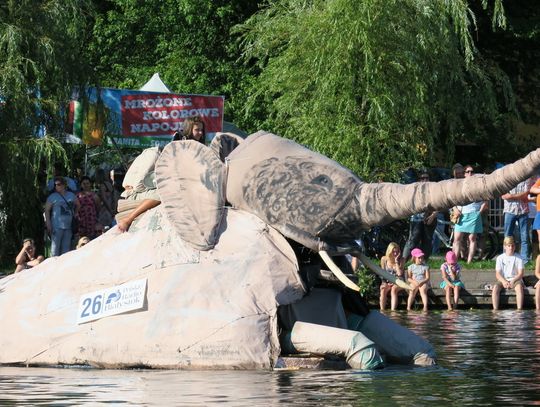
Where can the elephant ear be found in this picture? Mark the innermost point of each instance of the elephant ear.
(190, 181)
(224, 143)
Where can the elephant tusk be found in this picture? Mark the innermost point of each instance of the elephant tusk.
(337, 272)
(381, 272)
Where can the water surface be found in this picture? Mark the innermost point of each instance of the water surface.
(485, 358)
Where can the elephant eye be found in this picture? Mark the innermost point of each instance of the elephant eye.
(323, 180)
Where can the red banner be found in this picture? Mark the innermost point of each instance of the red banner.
(158, 114)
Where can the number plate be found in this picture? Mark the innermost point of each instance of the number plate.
(111, 301)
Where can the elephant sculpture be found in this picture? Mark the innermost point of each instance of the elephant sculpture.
(225, 273)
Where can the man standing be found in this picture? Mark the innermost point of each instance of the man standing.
(516, 209)
(421, 228)
(60, 210)
(509, 273)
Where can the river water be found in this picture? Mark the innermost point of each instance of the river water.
(485, 358)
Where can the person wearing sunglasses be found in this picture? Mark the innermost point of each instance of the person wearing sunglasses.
(61, 208)
(469, 220)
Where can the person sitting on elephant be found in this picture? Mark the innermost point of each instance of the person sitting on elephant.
(193, 130)
(27, 257)
(418, 278)
(394, 263)
(142, 173)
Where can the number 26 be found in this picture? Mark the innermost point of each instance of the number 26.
(96, 306)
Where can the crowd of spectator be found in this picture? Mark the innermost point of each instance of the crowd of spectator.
(469, 223)
(75, 212)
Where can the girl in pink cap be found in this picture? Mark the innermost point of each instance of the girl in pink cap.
(418, 278)
(451, 274)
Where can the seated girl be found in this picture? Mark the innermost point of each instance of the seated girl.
(418, 278)
(140, 174)
(451, 274)
(394, 263)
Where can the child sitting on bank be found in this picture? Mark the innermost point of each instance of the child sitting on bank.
(418, 278)
(451, 274)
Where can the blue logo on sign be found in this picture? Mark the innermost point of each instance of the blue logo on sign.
(113, 297)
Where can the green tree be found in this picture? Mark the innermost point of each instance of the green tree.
(373, 83)
(40, 61)
(517, 51)
(187, 41)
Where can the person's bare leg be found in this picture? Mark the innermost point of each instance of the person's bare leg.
(456, 246)
(519, 296)
(448, 300)
(410, 300)
(424, 296)
(394, 297)
(146, 204)
(472, 247)
(382, 297)
(537, 296)
(456, 295)
(495, 296)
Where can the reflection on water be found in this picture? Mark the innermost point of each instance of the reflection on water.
(485, 358)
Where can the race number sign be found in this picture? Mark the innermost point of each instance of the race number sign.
(111, 301)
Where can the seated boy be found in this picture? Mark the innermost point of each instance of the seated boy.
(509, 271)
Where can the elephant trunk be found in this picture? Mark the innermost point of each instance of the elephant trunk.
(384, 202)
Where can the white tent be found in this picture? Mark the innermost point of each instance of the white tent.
(155, 84)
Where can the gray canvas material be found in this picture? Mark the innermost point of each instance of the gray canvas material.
(190, 180)
(215, 309)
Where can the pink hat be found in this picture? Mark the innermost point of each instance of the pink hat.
(451, 257)
(416, 252)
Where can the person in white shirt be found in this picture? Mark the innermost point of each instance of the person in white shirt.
(509, 271)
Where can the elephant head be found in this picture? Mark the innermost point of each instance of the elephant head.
(308, 197)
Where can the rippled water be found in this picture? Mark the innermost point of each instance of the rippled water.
(485, 358)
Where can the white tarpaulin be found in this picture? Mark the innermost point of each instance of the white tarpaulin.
(214, 309)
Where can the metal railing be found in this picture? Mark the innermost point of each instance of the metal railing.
(495, 214)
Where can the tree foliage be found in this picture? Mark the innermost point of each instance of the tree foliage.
(373, 83)
(187, 41)
(40, 61)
